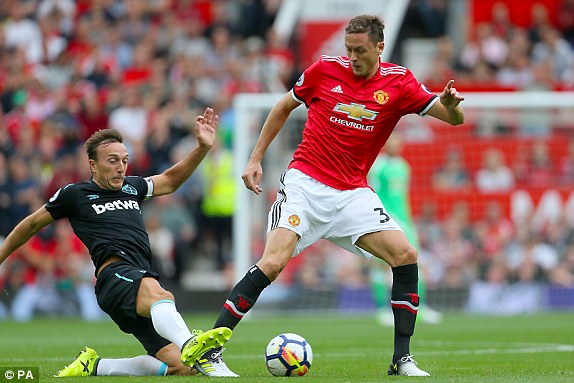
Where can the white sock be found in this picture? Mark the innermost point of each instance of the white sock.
(143, 365)
(168, 322)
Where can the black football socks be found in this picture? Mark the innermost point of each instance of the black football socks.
(405, 304)
(242, 298)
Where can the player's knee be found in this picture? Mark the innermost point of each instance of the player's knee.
(162, 295)
(271, 267)
(406, 256)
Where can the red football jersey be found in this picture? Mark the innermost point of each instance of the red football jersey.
(350, 119)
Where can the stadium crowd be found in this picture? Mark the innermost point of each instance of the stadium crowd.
(146, 68)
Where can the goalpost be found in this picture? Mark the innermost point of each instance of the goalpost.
(508, 121)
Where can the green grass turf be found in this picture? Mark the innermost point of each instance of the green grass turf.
(463, 348)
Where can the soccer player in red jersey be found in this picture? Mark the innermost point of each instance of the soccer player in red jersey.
(354, 104)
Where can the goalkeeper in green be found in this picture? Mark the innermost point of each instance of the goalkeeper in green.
(390, 177)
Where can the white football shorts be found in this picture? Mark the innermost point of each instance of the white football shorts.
(314, 211)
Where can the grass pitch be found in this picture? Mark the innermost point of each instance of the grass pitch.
(536, 348)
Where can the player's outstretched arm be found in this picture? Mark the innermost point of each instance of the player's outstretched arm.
(171, 179)
(273, 124)
(24, 231)
(448, 109)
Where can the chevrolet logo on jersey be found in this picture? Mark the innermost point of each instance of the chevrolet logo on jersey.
(356, 111)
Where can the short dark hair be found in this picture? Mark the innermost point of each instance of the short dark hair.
(99, 138)
(371, 25)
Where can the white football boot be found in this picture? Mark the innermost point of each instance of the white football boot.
(406, 366)
(211, 364)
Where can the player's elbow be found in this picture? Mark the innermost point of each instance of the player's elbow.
(457, 121)
(456, 117)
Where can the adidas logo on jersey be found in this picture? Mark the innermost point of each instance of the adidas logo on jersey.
(116, 205)
(337, 89)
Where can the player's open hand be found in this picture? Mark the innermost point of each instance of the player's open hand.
(252, 176)
(205, 127)
(449, 97)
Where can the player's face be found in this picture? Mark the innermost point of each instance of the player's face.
(363, 53)
(110, 168)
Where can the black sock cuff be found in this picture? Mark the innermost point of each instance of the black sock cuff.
(95, 369)
(258, 277)
(406, 273)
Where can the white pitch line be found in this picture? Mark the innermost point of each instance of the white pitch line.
(525, 350)
(545, 348)
(532, 349)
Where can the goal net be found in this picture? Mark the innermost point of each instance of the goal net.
(478, 242)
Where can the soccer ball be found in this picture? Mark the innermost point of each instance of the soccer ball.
(288, 355)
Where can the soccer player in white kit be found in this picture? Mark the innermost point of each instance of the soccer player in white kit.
(354, 104)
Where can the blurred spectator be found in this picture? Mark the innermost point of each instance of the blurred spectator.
(253, 18)
(35, 264)
(16, 121)
(65, 122)
(413, 129)
(555, 50)
(517, 72)
(65, 171)
(63, 13)
(23, 33)
(163, 244)
(7, 222)
(53, 43)
(481, 76)
(497, 231)
(566, 171)
(169, 213)
(454, 252)
(92, 115)
(496, 296)
(533, 166)
(557, 233)
(222, 60)
(528, 258)
(540, 167)
(115, 52)
(563, 274)
(40, 103)
(500, 22)
(317, 271)
(257, 72)
(191, 192)
(57, 277)
(99, 74)
(485, 296)
(281, 59)
(452, 174)
(494, 175)
(444, 64)
(136, 19)
(139, 72)
(25, 191)
(566, 20)
(519, 43)
(486, 47)
(428, 224)
(218, 205)
(539, 20)
(189, 39)
(75, 275)
(131, 118)
(428, 16)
